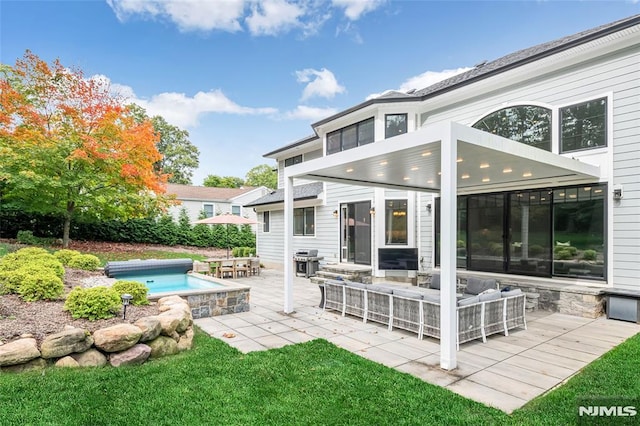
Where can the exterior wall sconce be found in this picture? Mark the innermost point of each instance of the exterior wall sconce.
(372, 211)
(429, 207)
(617, 192)
(335, 213)
(126, 300)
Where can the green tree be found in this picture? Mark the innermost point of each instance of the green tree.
(67, 145)
(179, 156)
(262, 175)
(223, 181)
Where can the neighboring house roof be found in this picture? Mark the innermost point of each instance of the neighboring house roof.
(488, 69)
(300, 192)
(205, 193)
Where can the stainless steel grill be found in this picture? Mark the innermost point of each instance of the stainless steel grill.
(307, 262)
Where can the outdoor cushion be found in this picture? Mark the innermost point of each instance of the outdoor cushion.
(432, 298)
(478, 285)
(435, 281)
(356, 284)
(485, 296)
(408, 293)
(380, 288)
(511, 293)
(469, 301)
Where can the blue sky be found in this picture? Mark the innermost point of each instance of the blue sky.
(245, 77)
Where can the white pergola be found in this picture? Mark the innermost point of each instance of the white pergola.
(448, 158)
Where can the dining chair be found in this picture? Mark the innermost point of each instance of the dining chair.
(227, 269)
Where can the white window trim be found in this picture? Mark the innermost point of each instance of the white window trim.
(263, 222)
(609, 113)
(315, 221)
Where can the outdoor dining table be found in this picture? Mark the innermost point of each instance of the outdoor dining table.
(234, 267)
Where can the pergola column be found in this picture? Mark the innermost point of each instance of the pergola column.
(288, 245)
(448, 218)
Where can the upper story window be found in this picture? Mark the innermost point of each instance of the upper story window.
(395, 222)
(304, 221)
(236, 210)
(208, 210)
(528, 124)
(266, 221)
(351, 136)
(293, 160)
(394, 125)
(583, 125)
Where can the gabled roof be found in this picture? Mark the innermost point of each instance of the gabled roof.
(300, 192)
(488, 69)
(205, 193)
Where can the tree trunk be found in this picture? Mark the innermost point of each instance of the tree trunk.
(67, 224)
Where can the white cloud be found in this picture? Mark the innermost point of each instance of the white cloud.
(259, 17)
(354, 9)
(182, 110)
(423, 80)
(312, 114)
(188, 15)
(271, 17)
(319, 83)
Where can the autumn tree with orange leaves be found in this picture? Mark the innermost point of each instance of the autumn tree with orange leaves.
(68, 145)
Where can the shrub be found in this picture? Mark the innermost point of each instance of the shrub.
(88, 262)
(460, 244)
(65, 255)
(50, 263)
(536, 250)
(589, 255)
(27, 237)
(570, 249)
(44, 285)
(92, 303)
(563, 254)
(136, 289)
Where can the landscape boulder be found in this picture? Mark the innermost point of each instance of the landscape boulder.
(18, 352)
(117, 337)
(135, 355)
(150, 326)
(163, 346)
(186, 340)
(67, 361)
(66, 342)
(90, 358)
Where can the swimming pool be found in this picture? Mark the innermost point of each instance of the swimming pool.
(171, 283)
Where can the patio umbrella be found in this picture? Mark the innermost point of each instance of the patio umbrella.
(226, 219)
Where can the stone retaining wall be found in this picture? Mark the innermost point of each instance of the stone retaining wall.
(220, 303)
(150, 337)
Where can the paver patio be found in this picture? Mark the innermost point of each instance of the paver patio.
(527, 363)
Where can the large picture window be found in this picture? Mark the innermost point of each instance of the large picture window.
(351, 136)
(396, 222)
(528, 124)
(394, 125)
(559, 232)
(583, 126)
(304, 221)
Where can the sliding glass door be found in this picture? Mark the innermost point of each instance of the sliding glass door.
(485, 245)
(355, 238)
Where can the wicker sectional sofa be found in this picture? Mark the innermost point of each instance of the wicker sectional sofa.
(483, 311)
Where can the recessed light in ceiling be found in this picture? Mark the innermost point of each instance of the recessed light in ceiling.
(349, 170)
(426, 154)
(414, 168)
(507, 170)
(383, 163)
(527, 174)
(486, 180)
(464, 176)
(484, 165)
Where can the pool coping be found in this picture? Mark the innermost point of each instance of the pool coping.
(226, 286)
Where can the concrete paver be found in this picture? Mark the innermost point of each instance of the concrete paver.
(506, 372)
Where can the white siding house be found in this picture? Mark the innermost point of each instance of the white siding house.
(214, 201)
(576, 98)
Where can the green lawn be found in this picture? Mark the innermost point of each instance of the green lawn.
(310, 383)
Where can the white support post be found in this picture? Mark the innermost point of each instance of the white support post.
(288, 245)
(448, 219)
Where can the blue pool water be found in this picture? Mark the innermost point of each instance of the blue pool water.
(171, 282)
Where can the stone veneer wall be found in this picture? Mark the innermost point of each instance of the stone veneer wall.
(552, 296)
(220, 303)
(150, 337)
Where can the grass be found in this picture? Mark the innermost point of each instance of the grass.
(311, 383)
